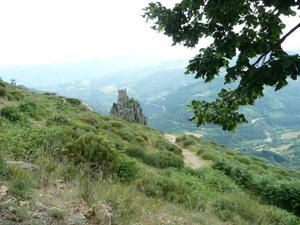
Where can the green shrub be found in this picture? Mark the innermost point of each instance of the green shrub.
(127, 134)
(136, 151)
(117, 124)
(238, 173)
(144, 136)
(120, 145)
(94, 150)
(188, 143)
(200, 151)
(23, 143)
(282, 217)
(209, 156)
(284, 194)
(53, 139)
(73, 101)
(90, 120)
(126, 169)
(238, 209)
(49, 93)
(187, 140)
(56, 213)
(58, 120)
(2, 83)
(16, 95)
(257, 159)
(2, 166)
(167, 188)
(220, 182)
(22, 214)
(12, 114)
(20, 184)
(215, 179)
(29, 107)
(69, 171)
(180, 138)
(229, 207)
(163, 145)
(82, 127)
(139, 139)
(163, 160)
(230, 152)
(243, 160)
(3, 91)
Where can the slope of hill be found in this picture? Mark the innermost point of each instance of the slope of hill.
(164, 93)
(61, 163)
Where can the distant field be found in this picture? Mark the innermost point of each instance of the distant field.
(281, 148)
(290, 135)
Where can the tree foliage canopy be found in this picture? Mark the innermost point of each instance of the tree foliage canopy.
(247, 47)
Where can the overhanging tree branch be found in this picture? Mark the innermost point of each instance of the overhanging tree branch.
(278, 43)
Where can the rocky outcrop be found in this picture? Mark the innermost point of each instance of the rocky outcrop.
(128, 109)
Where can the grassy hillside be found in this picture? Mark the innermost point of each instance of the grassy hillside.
(164, 92)
(79, 160)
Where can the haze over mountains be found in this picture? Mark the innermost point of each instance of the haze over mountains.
(164, 91)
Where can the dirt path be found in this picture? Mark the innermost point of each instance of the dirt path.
(190, 158)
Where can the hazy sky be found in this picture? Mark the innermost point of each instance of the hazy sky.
(48, 31)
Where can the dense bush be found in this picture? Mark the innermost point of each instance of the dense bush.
(136, 151)
(161, 159)
(237, 172)
(24, 143)
(244, 160)
(126, 134)
(163, 145)
(282, 217)
(213, 178)
(209, 156)
(219, 182)
(237, 209)
(119, 144)
(231, 153)
(3, 91)
(12, 113)
(282, 193)
(59, 120)
(73, 101)
(2, 83)
(285, 194)
(94, 150)
(29, 107)
(117, 124)
(167, 188)
(2, 166)
(16, 95)
(56, 138)
(20, 183)
(187, 140)
(126, 169)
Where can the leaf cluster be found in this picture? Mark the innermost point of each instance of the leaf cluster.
(246, 46)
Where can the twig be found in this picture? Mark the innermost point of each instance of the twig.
(277, 44)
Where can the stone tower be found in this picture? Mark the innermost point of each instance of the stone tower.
(128, 109)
